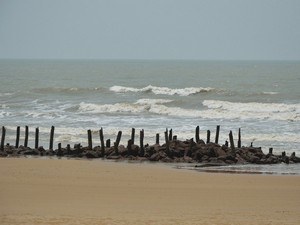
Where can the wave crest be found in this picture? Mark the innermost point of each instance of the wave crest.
(254, 110)
(162, 90)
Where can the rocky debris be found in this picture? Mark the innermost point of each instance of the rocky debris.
(186, 151)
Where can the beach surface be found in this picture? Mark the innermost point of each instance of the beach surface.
(68, 191)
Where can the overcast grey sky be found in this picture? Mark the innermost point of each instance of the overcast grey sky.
(151, 29)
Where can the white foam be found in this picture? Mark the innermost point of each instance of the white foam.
(253, 110)
(162, 90)
(6, 94)
(270, 93)
(215, 109)
(142, 105)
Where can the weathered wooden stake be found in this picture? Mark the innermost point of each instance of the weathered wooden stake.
(108, 143)
(119, 138)
(175, 138)
(68, 149)
(26, 136)
(167, 140)
(90, 142)
(239, 139)
(102, 141)
(157, 139)
(59, 151)
(129, 147)
(37, 138)
(170, 134)
(217, 134)
(132, 135)
(51, 138)
(208, 136)
(231, 140)
(270, 151)
(3, 138)
(17, 137)
(142, 150)
(197, 135)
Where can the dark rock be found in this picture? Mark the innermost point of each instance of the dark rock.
(3, 154)
(295, 159)
(31, 152)
(158, 156)
(91, 154)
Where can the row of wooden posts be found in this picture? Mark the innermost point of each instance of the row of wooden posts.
(168, 137)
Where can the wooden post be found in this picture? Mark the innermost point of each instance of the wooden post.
(37, 138)
(270, 151)
(108, 143)
(129, 149)
(217, 134)
(59, 151)
(26, 136)
(231, 140)
(17, 137)
(142, 150)
(68, 149)
(90, 142)
(175, 138)
(197, 135)
(170, 134)
(157, 139)
(132, 135)
(119, 138)
(102, 141)
(208, 137)
(51, 138)
(167, 140)
(3, 138)
(239, 139)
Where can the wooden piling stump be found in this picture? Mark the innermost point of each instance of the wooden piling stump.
(208, 136)
(51, 138)
(157, 139)
(217, 134)
(132, 135)
(239, 139)
(90, 142)
(142, 150)
(26, 136)
(37, 138)
(170, 134)
(197, 134)
(231, 141)
(102, 141)
(17, 137)
(3, 138)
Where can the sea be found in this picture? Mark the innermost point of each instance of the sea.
(260, 97)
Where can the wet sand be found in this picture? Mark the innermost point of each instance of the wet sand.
(68, 191)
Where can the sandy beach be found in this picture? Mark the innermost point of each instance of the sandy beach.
(68, 191)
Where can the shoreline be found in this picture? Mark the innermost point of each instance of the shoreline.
(248, 168)
(35, 191)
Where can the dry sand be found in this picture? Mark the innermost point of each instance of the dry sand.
(51, 191)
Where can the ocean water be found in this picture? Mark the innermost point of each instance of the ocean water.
(260, 97)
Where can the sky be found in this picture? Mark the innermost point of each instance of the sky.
(150, 29)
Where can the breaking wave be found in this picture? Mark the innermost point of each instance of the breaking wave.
(213, 109)
(254, 110)
(162, 90)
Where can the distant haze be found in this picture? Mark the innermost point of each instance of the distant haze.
(150, 29)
